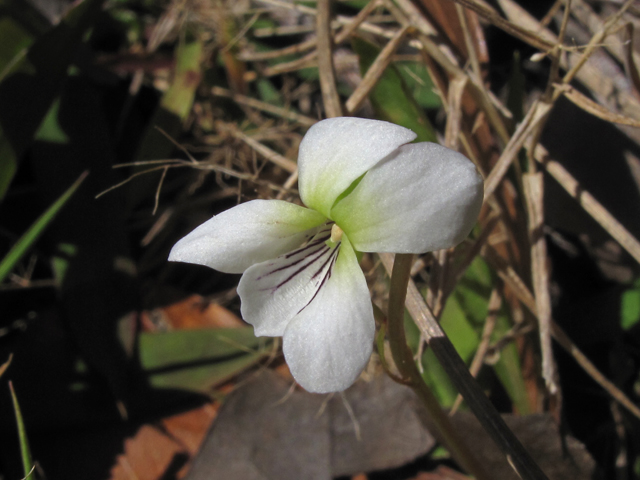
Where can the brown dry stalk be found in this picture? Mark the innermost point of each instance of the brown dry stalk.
(495, 303)
(470, 254)
(561, 337)
(523, 294)
(343, 35)
(517, 31)
(375, 71)
(271, 54)
(533, 184)
(585, 15)
(630, 57)
(535, 116)
(271, 155)
(283, 30)
(459, 374)
(596, 40)
(330, 97)
(265, 107)
(435, 292)
(589, 74)
(469, 43)
(288, 184)
(454, 113)
(595, 109)
(589, 203)
(415, 17)
(509, 276)
(551, 13)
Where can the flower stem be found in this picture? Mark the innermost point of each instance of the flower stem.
(405, 363)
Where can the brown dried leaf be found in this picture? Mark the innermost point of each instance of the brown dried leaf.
(191, 313)
(155, 450)
(267, 431)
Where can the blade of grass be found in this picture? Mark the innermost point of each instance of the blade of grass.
(25, 451)
(495, 303)
(5, 365)
(32, 234)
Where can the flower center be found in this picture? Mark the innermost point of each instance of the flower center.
(336, 233)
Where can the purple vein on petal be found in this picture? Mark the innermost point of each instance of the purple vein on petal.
(295, 262)
(322, 252)
(327, 275)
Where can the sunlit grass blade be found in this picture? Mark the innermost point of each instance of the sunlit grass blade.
(31, 235)
(25, 451)
(198, 360)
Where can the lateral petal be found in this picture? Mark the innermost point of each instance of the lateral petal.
(246, 234)
(337, 151)
(423, 198)
(329, 342)
(275, 291)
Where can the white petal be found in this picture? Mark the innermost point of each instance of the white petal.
(329, 343)
(337, 151)
(246, 234)
(273, 292)
(424, 198)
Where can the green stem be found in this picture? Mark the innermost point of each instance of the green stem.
(409, 371)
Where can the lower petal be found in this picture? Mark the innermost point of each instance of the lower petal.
(246, 234)
(329, 342)
(275, 291)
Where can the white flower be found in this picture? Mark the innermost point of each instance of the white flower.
(367, 190)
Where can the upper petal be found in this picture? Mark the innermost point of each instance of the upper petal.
(336, 151)
(246, 234)
(329, 342)
(424, 198)
(275, 291)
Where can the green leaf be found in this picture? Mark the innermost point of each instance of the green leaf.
(178, 99)
(419, 83)
(50, 129)
(463, 319)
(31, 235)
(268, 93)
(509, 370)
(14, 40)
(198, 360)
(630, 306)
(460, 330)
(61, 260)
(169, 118)
(25, 451)
(391, 98)
(436, 377)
